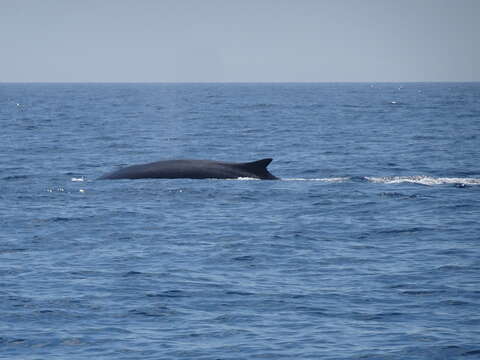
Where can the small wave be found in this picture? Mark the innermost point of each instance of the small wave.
(132, 273)
(59, 218)
(423, 180)
(169, 294)
(10, 251)
(15, 177)
(398, 195)
(259, 106)
(244, 258)
(74, 179)
(471, 352)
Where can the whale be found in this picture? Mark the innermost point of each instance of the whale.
(194, 169)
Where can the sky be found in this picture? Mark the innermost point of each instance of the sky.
(239, 40)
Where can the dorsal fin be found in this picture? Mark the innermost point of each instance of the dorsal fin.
(259, 164)
(259, 169)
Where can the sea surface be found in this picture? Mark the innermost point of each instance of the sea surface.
(368, 248)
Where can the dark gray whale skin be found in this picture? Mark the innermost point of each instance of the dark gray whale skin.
(194, 169)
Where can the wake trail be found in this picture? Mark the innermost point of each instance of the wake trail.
(417, 179)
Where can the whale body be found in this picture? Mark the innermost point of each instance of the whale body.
(194, 169)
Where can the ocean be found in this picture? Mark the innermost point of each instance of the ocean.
(367, 248)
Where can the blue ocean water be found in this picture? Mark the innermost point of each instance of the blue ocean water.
(368, 248)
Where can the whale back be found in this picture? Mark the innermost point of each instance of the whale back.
(194, 169)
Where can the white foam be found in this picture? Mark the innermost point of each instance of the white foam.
(58, 189)
(78, 179)
(333, 179)
(423, 180)
(244, 178)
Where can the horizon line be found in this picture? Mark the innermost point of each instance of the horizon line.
(242, 82)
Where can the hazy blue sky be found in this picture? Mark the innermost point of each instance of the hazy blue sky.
(241, 40)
